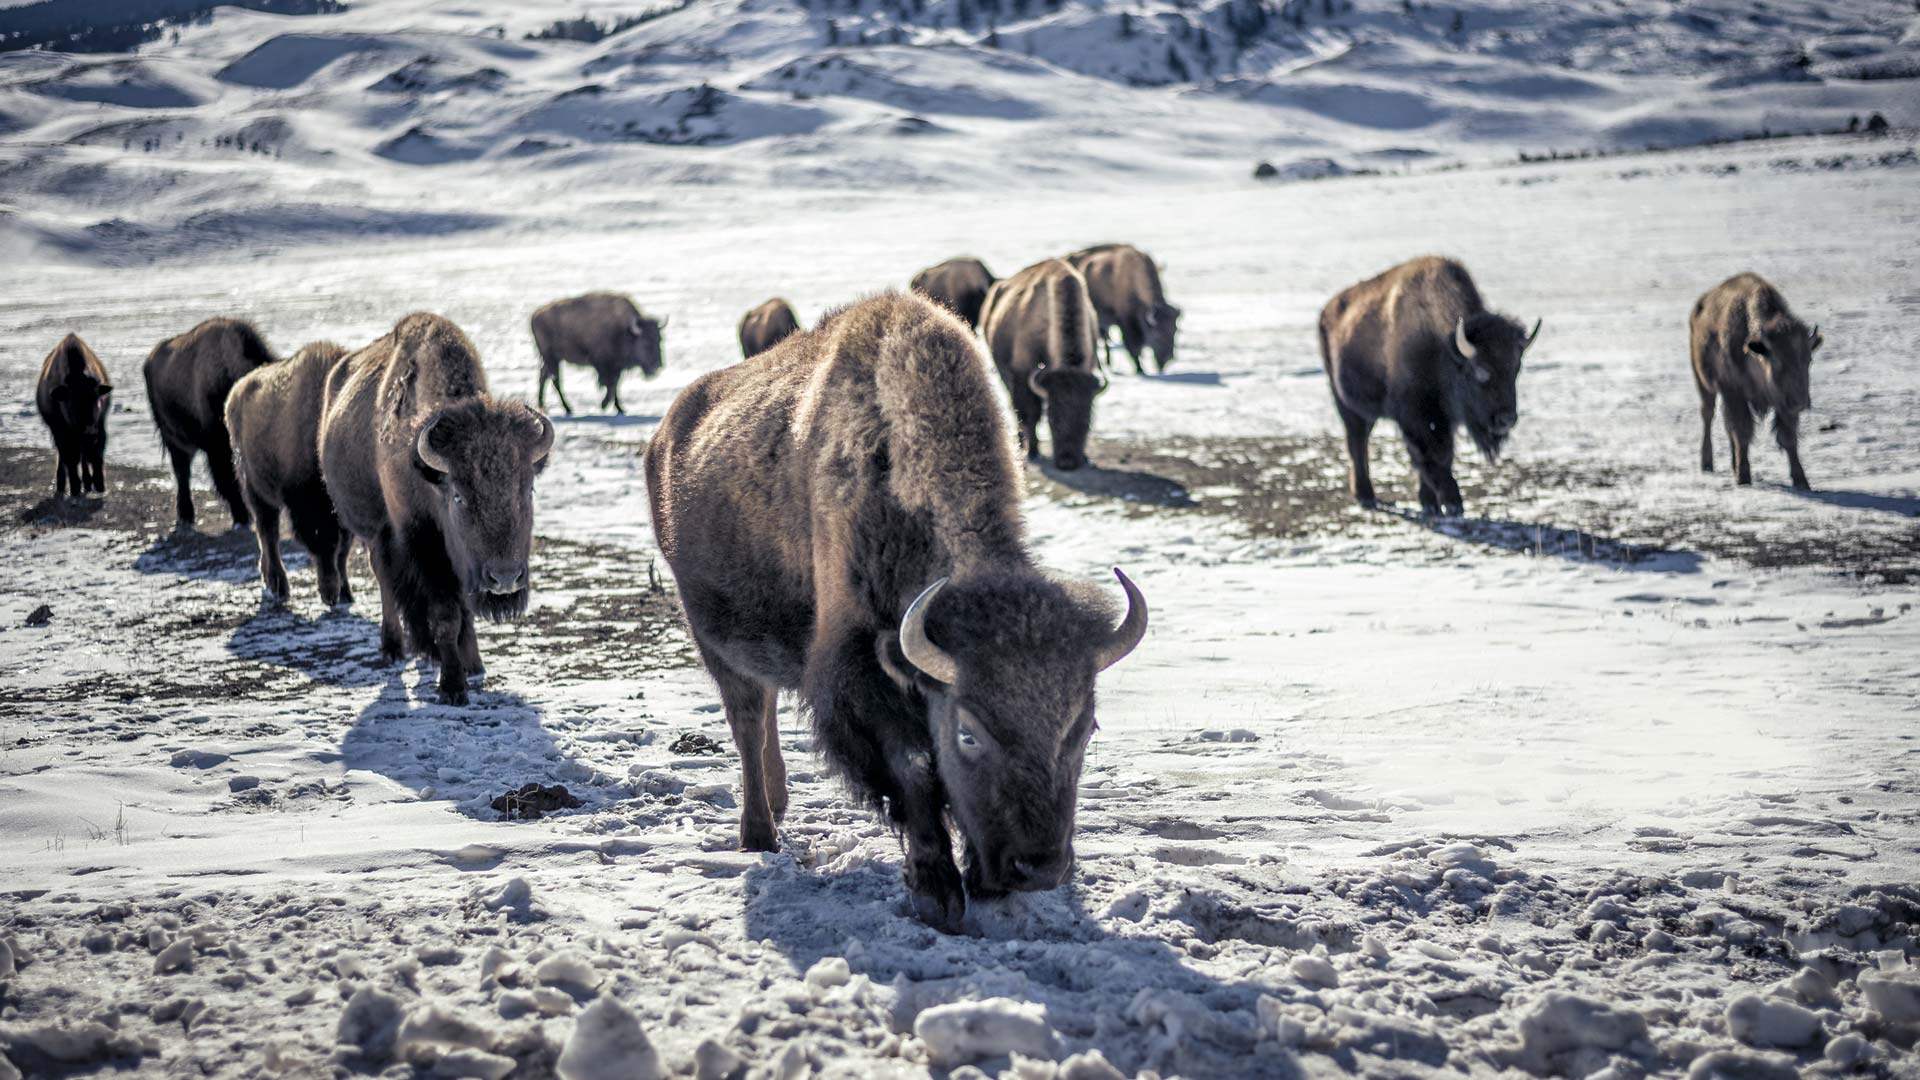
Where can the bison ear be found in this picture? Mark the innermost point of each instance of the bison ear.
(886, 646)
(427, 460)
(1758, 347)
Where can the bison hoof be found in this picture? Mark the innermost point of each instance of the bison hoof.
(453, 695)
(758, 836)
(1366, 502)
(1452, 510)
(939, 899)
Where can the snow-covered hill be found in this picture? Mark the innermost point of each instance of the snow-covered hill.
(396, 116)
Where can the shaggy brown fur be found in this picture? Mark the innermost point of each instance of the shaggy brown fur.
(1124, 284)
(603, 331)
(187, 382)
(1390, 347)
(273, 415)
(1756, 356)
(448, 524)
(766, 326)
(1039, 325)
(960, 285)
(73, 400)
(804, 498)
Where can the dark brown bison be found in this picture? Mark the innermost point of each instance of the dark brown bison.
(273, 415)
(187, 382)
(73, 400)
(960, 285)
(1039, 326)
(1416, 346)
(766, 326)
(1124, 284)
(1752, 352)
(603, 331)
(436, 477)
(842, 517)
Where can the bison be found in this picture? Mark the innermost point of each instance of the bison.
(1124, 285)
(1755, 355)
(1039, 326)
(188, 378)
(960, 285)
(766, 326)
(73, 400)
(273, 415)
(842, 516)
(435, 476)
(603, 331)
(1417, 346)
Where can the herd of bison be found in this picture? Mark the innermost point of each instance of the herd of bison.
(840, 510)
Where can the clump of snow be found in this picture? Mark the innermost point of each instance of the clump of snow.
(1563, 1024)
(1314, 970)
(1894, 994)
(966, 1031)
(570, 969)
(1759, 1021)
(608, 1043)
(828, 973)
(370, 1023)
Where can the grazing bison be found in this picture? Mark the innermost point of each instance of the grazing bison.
(1124, 285)
(1416, 345)
(766, 326)
(187, 382)
(843, 519)
(1752, 352)
(73, 401)
(436, 477)
(1039, 326)
(603, 331)
(273, 414)
(959, 285)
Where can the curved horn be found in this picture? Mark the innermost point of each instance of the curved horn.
(1033, 381)
(931, 659)
(1104, 381)
(1534, 333)
(1460, 341)
(1129, 632)
(545, 442)
(634, 327)
(422, 446)
(663, 321)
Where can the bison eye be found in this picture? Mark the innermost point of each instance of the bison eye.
(967, 735)
(458, 499)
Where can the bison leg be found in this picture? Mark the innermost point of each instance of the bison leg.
(313, 522)
(1026, 410)
(1786, 432)
(266, 533)
(1706, 424)
(227, 483)
(1359, 476)
(1135, 342)
(1432, 454)
(393, 644)
(182, 458)
(470, 646)
(553, 374)
(773, 762)
(749, 705)
(97, 466)
(444, 624)
(62, 468)
(1739, 420)
(343, 548)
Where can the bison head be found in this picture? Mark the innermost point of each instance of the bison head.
(1068, 393)
(1161, 319)
(1486, 351)
(479, 458)
(1783, 349)
(643, 334)
(81, 403)
(1006, 666)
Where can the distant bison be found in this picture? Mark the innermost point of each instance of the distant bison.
(188, 378)
(960, 285)
(436, 477)
(73, 400)
(603, 331)
(1039, 326)
(1124, 285)
(766, 326)
(843, 519)
(1417, 346)
(1752, 352)
(273, 415)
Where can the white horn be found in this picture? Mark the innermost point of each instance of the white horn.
(424, 449)
(922, 653)
(1460, 341)
(1131, 629)
(634, 328)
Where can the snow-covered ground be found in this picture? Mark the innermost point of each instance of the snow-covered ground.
(1614, 776)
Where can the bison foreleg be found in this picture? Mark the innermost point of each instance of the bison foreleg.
(1786, 432)
(227, 482)
(393, 644)
(1738, 416)
(469, 642)
(1432, 453)
(444, 622)
(749, 706)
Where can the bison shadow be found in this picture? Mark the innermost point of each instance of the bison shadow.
(1533, 538)
(58, 510)
(1125, 485)
(1186, 378)
(228, 555)
(340, 647)
(1903, 505)
(605, 419)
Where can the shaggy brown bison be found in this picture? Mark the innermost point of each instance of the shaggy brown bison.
(1416, 346)
(1750, 351)
(273, 415)
(1124, 284)
(1039, 326)
(960, 285)
(187, 382)
(603, 331)
(766, 326)
(842, 516)
(436, 477)
(73, 400)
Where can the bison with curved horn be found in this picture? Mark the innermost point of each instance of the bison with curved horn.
(604, 331)
(959, 285)
(1039, 326)
(187, 379)
(1417, 346)
(73, 397)
(435, 476)
(766, 326)
(1753, 354)
(842, 516)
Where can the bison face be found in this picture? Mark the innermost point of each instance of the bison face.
(1783, 350)
(1010, 712)
(1486, 350)
(1162, 320)
(479, 458)
(645, 351)
(82, 405)
(1068, 393)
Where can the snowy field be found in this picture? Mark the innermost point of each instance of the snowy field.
(1617, 775)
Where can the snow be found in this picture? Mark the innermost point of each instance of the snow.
(608, 1044)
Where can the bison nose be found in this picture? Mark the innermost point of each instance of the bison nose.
(1503, 421)
(505, 577)
(1034, 871)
